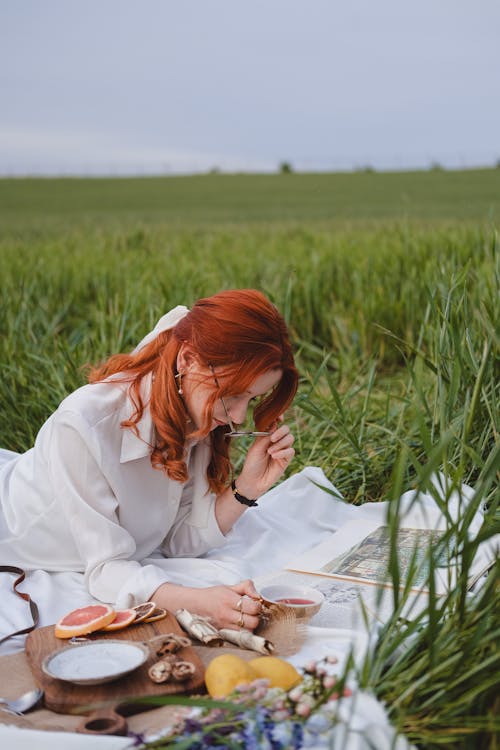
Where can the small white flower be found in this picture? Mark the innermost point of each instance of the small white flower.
(295, 694)
(303, 709)
(259, 694)
(243, 687)
(329, 681)
(260, 682)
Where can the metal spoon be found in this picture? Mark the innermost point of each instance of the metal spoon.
(24, 702)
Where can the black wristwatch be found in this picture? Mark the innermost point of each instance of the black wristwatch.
(241, 498)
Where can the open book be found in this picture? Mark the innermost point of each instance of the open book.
(360, 551)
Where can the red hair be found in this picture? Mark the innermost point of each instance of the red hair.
(240, 332)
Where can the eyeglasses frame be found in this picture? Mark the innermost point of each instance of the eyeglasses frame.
(232, 432)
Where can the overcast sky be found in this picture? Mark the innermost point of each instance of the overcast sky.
(175, 86)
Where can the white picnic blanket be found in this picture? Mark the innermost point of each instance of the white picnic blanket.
(293, 517)
(290, 519)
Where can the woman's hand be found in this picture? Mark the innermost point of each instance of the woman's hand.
(266, 460)
(231, 607)
(265, 463)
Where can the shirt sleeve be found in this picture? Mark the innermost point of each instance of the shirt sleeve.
(195, 529)
(91, 511)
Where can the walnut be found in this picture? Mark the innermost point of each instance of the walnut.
(183, 670)
(171, 667)
(161, 671)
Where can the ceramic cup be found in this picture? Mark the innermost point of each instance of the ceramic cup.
(304, 600)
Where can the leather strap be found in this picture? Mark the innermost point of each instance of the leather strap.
(241, 498)
(21, 575)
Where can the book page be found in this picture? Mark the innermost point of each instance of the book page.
(368, 560)
(359, 552)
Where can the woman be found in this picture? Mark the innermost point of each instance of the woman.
(138, 459)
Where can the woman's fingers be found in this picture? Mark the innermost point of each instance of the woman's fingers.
(234, 607)
(244, 620)
(284, 457)
(281, 446)
(281, 437)
(279, 433)
(266, 461)
(246, 587)
(246, 605)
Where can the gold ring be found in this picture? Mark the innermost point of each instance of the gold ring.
(239, 603)
(241, 622)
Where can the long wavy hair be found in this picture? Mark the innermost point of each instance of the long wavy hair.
(238, 331)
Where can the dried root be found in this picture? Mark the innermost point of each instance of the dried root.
(199, 627)
(169, 643)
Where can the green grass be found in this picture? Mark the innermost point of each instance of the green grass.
(390, 285)
(470, 195)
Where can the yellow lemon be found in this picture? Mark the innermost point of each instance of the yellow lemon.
(278, 671)
(226, 672)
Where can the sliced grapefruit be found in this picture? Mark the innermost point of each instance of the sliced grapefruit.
(123, 617)
(144, 610)
(157, 614)
(84, 620)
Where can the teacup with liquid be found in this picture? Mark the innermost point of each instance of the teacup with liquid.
(304, 600)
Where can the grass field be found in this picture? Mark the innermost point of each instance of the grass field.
(390, 284)
(472, 195)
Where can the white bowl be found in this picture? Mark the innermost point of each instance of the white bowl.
(304, 600)
(95, 662)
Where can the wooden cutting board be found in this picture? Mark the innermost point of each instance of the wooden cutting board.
(64, 697)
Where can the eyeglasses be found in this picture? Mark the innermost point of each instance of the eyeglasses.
(232, 432)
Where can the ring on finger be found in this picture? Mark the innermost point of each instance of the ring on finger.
(239, 604)
(241, 621)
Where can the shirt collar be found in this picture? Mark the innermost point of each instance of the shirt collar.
(167, 321)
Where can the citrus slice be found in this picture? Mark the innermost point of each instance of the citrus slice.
(84, 620)
(123, 617)
(157, 614)
(143, 610)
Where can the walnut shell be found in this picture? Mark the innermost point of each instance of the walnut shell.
(161, 671)
(183, 670)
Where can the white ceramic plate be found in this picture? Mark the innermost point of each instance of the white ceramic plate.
(96, 662)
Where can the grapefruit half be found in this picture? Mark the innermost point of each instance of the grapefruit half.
(84, 620)
(123, 617)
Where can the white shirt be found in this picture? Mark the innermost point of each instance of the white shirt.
(86, 498)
